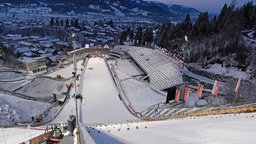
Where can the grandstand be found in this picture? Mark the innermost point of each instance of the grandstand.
(159, 71)
(42, 88)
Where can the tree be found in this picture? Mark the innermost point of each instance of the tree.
(61, 22)
(52, 21)
(149, 35)
(162, 35)
(67, 23)
(187, 26)
(72, 22)
(214, 25)
(222, 17)
(76, 24)
(57, 22)
(138, 36)
(202, 25)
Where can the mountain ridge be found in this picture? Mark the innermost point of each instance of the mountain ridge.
(139, 8)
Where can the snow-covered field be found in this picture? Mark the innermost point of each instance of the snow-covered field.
(17, 135)
(218, 69)
(14, 109)
(226, 129)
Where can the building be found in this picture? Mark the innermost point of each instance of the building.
(32, 65)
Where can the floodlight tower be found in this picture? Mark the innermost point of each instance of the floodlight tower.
(76, 95)
(183, 52)
(154, 39)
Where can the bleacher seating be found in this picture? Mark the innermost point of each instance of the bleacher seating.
(128, 67)
(162, 72)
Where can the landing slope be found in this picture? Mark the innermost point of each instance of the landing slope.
(101, 104)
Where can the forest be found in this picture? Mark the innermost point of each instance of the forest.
(218, 39)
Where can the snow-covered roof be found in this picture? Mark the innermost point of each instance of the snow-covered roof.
(49, 50)
(128, 67)
(53, 58)
(22, 49)
(46, 44)
(46, 55)
(25, 43)
(28, 53)
(29, 59)
(162, 71)
(62, 43)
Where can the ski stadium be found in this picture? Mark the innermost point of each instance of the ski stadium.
(122, 95)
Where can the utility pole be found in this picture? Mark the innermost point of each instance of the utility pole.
(75, 77)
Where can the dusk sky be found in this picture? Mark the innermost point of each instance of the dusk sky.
(212, 6)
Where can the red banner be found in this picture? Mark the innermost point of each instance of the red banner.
(177, 96)
(238, 84)
(216, 87)
(187, 90)
(199, 90)
(176, 58)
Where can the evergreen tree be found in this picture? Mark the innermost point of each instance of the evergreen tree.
(52, 21)
(149, 35)
(57, 22)
(214, 25)
(72, 22)
(222, 17)
(202, 25)
(138, 36)
(76, 24)
(162, 35)
(67, 23)
(61, 22)
(187, 26)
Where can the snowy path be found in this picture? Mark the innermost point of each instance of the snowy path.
(102, 101)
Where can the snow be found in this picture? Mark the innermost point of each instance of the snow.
(117, 11)
(228, 129)
(17, 135)
(102, 102)
(25, 109)
(65, 72)
(110, 121)
(233, 72)
(201, 78)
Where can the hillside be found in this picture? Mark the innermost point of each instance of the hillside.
(134, 8)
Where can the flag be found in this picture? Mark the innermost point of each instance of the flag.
(199, 90)
(238, 84)
(42, 121)
(177, 96)
(186, 94)
(216, 87)
(176, 58)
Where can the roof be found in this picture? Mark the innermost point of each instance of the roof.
(29, 59)
(163, 71)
